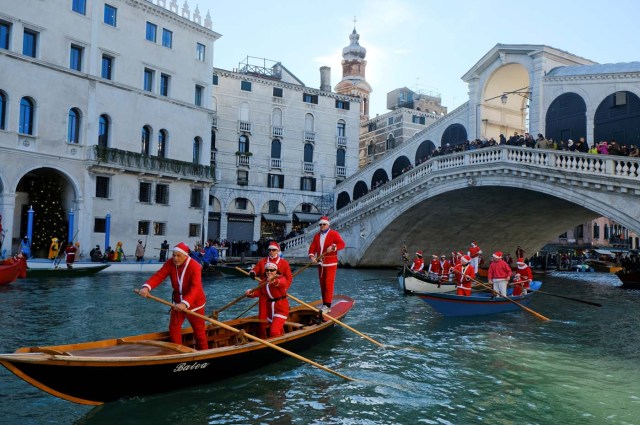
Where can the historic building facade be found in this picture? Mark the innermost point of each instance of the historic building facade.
(278, 147)
(108, 103)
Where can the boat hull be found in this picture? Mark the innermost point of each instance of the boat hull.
(147, 266)
(65, 272)
(480, 303)
(104, 371)
(411, 282)
(629, 280)
(9, 273)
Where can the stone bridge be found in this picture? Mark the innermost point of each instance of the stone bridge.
(500, 197)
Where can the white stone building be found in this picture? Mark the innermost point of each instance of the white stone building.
(111, 100)
(279, 148)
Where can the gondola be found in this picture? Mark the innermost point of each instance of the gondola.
(9, 273)
(630, 280)
(77, 270)
(478, 303)
(97, 372)
(411, 282)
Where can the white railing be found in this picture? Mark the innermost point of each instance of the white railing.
(307, 167)
(277, 131)
(341, 171)
(309, 136)
(243, 160)
(244, 126)
(341, 141)
(275, 163)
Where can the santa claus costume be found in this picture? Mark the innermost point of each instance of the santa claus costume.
(474, 253)
(464, 276)
(525, 274)
(327, 242)
(273, 299)
(418, 263)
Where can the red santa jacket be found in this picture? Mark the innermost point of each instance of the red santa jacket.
(465, 274)
(317, 248)
(474, 251)
(418, 265)
(525, 274)
(434, 266)
(284, 270)
(186, 282)
(275, 294)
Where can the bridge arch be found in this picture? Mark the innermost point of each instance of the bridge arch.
(360, 189)
(618, 117)
(400, 165)
(566, 117)
(424, 151)
(342, 200)
(455, 134)
(379, 178)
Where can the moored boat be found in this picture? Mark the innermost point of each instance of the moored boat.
(77, 270)
(9, 273)
(603, 266)
(629, 279)
(478, 303)
(102, 371)
(412, 282)
(147, 266)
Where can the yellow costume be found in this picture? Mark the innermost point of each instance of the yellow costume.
(53, 249)
(119, 252)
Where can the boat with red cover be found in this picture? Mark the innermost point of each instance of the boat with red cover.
(9, 272)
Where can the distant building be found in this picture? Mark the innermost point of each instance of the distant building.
(353, 80)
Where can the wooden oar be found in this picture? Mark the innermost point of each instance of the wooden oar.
(333, 319)
(538, 315)
(252, 337)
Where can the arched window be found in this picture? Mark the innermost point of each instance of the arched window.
(341, 129)
(243, 144)
(391, 142)
(145, 139)
(162, 143)
(308, 122)
(3, 110)
(26, 116)
(73, 126)
(276, 148)
(340, 157)
(371, 149)
(276, 117)
(196, 150)
(103, 131)
(308, 152)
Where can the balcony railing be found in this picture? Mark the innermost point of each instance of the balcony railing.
(137, 162)
(307, 167)
(244, 126)
(276, 163)
(309, 136)
(341, 141)
(341, 171)
(277, 131)
(243, 160)
(214, 122)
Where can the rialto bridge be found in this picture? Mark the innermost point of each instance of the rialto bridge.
(501, 197)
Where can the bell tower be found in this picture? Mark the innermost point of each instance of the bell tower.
(353, 80)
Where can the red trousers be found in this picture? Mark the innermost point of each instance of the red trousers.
(198, 325)
(327, 276)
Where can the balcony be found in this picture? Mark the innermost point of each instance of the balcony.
(341, 171)
(310, 136)
(341, 141)
(275, 163)
(307, 167)
(214, 122)
(243, 159)
(134, 162)
(277, 131)
(244, 126)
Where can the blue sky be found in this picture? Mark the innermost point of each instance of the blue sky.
(420, 44)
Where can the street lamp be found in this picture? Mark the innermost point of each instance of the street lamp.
(524, 92)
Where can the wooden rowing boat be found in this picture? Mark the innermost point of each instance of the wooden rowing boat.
(630, 280)
(76, 270)
(411, 282)
(9, 273)
(603, 266)
(103, 371)
(478, 303)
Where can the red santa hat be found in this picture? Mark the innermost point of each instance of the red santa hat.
(521, 264)
(270, 266)
(324, 220)
(465, 259)
(473, 244)
(419, 253)
(497, 254)
(274, 245)
(434, 256)
(459, 254)
(182, 247)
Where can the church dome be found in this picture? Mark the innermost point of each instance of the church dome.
(354, 50)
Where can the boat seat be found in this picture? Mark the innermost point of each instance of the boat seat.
(51, 351)
(163, 344)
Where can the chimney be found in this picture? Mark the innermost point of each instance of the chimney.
(325, 78)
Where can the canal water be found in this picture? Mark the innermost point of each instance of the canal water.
(583, 367)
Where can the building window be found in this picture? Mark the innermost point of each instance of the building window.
(107, 67)
(196, 150)
(596, 231)
(75, 58)
(275, 181)
(198, 95)
(152, 29)
(159, 229)
(26, 116)
(308, 152)
(241, 204)
(102, 186)
(194, 230)
(99, 225)
(196, 198)
(276, 149)
(5, 31)
(341, 129)
(73, 128)
(372, 126)
(79, 6)
(341, 157)
(418, 120)
(164, 84)
(243, 178)
(390, 121)
(310, 98)
(200, 52)
(245, 85)
(162, 194)
(162, 143)
(145, 139)
(144, 227)
(103, 131)
(341, 104)
(214, 80)
(243, 144)
(110, 15)
(391, 142)
(167, 38)
(308, 183)
(277, 92)
(274, 207)
(3, 109)
(144, 192)
(148, 79)
(30, 43)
